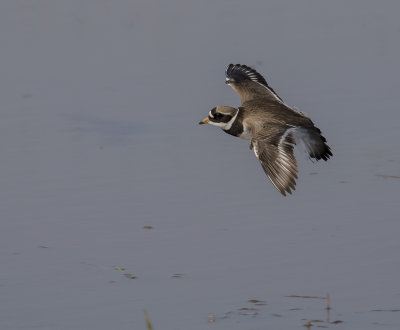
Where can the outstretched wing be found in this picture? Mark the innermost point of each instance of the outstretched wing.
(274, 150)
(249, 84)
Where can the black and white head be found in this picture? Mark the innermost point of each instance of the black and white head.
(221, 116)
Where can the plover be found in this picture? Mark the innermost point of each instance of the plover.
(272, 127)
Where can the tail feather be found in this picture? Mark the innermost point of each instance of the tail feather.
(314, 143)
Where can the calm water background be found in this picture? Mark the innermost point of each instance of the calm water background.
(99, 105)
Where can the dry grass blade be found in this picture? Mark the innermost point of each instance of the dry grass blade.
(257, 302)
(307, 297)
(148, 323)
(247, 309)
(388, 176)
(328, 302)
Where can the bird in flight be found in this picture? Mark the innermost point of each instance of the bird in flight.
(272, 127)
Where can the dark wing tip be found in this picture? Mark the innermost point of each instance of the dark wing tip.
(325, 154)
(324, 151)
(241, 72)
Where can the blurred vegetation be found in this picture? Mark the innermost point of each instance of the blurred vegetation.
(148, 323)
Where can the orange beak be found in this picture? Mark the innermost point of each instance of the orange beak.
(204, 121)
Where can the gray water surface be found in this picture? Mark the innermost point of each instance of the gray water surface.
(100, 102)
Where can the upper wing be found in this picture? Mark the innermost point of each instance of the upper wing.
(249, 84)
(274, 150)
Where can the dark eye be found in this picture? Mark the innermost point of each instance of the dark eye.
(217, 115)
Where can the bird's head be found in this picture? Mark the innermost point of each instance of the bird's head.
(221, 116)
